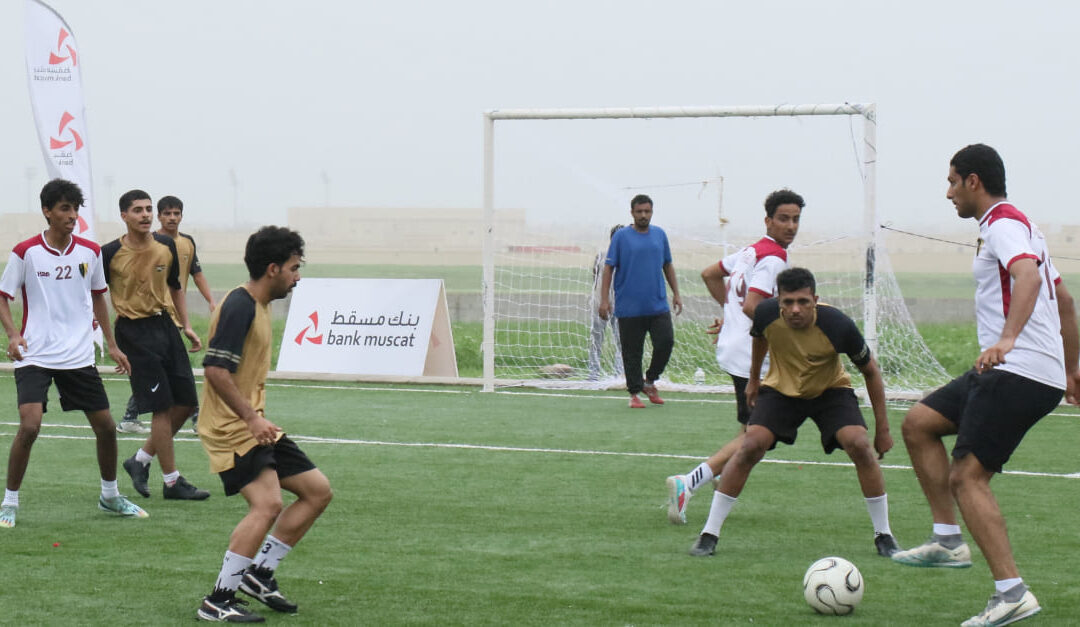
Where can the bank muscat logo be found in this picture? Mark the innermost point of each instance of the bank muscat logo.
(56, 143)
(64, 49)
(313, 328)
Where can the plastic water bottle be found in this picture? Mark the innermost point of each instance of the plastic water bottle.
(699, 377)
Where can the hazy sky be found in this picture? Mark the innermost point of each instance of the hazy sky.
(386, 98)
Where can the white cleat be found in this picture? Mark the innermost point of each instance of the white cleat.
(678, 497)
(933, 555)
(1000, 612)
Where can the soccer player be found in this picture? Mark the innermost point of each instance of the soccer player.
(1029, 357)
(804, 340)
(143, 269)
(751, 278)
(63, 288)
(251, 454)
(639, 259)
(170, 213)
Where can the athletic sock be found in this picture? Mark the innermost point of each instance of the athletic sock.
(109, 490)
(878, 507)
(271, 554)
(143, 457)
(232, 571)
(699, 476)
(942, 529)
(1010, 589)
(11, 497)
(170, 478)
(718, 512)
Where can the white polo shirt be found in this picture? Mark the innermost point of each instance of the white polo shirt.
(752, 269)
(58, 313)
(1006, 236)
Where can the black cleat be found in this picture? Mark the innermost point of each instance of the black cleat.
(184, 491)
(886, 544)
(139, 473)
(231, 610)
(259, 584)
(704, 546)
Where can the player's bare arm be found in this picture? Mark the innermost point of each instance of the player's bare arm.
(750, 303)
(264, 431)
(204, 288)
(1070, 340)
(605, 308)
(101, 314)
(713, 276)
(758, 350)
(673, 281)
(16, 343)
(179, 299)
(875, 389)
(1025, 289)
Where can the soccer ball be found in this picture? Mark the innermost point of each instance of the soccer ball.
(833, 585)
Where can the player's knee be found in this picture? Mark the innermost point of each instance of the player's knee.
(321, 494)
(268, 509)
(28, 433)
(920, 423)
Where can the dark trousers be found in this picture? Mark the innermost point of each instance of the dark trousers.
(632, 337)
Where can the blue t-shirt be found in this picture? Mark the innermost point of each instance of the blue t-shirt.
(638, 259)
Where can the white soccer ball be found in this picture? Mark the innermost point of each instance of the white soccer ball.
(833, 585)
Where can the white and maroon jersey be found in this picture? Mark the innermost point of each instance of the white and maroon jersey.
(1006, 236)
(58, 313)
(752, 269)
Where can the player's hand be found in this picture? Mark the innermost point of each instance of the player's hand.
(196, 343)
(714, 329)
(1072, 388)
(604, 309)
(211, 304)
(123, 366)
(752, 388)
(676, 302)
(15, 347)
(264, 431)
(883, 442)
(993, 356)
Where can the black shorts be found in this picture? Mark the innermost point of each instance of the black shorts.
(992, 412)
(160, 371)
(284, 456)
(783, 415)
(80, 388)
(742, 410)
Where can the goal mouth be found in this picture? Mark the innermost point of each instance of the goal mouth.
(540, 290)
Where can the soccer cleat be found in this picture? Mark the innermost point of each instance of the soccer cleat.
(678, 497)
(259, 583)
(230, 610)
(635, 402)
(184, 491)
(132, 426)
(704, 546)
(885, 544)
(7, 516)
(650, 391)
(121, 506)
(933, 555)
(139, 473)
(1000, 612)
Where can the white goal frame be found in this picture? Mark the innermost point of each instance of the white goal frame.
(868, 112)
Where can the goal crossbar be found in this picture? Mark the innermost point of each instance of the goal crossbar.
(867, 111)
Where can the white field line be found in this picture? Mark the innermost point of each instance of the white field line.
(508, 449)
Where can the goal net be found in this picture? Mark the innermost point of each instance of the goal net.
(556, 186)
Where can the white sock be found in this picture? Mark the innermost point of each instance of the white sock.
(143, 457)
(108, 489)
(232, 571)
(718, 513)
(1004, 584)
(11, 497)
(941, 529)
(171, 477)
(878, 507)
(271, 553)
(699, 476)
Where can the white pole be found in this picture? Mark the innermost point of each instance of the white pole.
(870, 305)
(487, 345)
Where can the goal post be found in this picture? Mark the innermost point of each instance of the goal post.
(870, 305)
